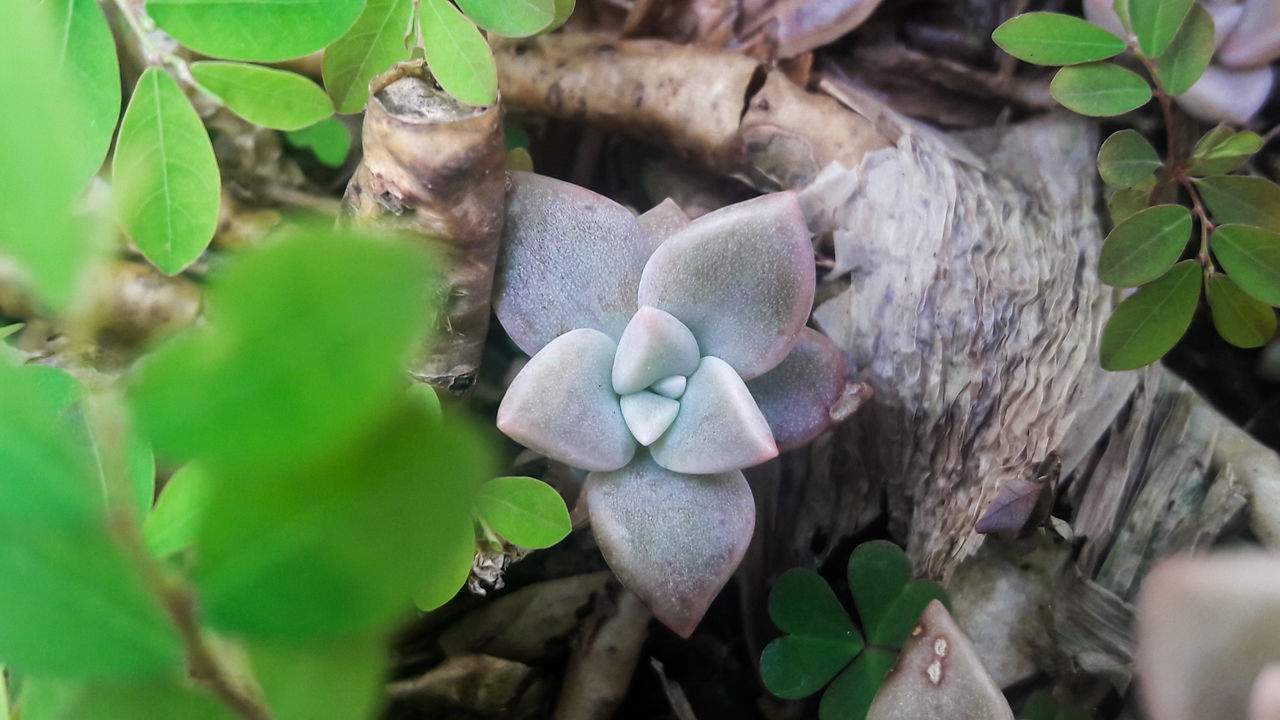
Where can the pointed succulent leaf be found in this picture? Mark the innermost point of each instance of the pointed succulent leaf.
(1252, 257)
(719, 427)
(677, 566)
(672, 387)
(851, 693)
(741, 278)
(797, 396)
(1256, 40)
(1226, 95)
(653, 346)
(562, 404)
(569, 259)
(1205, 628)
(648, 415)
(1264, 698)
(663, 220)
(939, 674)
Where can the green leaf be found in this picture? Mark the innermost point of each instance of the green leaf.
(258, 30)
(1242, 200)
(512, 18)
(336, 680)
(1251, 256)
(895, 627)
(1222, 151)
(1240, 319)
(154, 700)
(1040, 706)
(802, 603)
(43, 166)
(172, 526)
(140, 469)
(425, 395)
(327, 139)
(371, 46)
(1149, 322)
(1046, 38)
(1156, 22)
(264, 96)
(1099, 89)
(797, 666)
(443, 574)
(526, 511)
(851, 694)
(458, 54)
(166, 179)
(1124, 204)
(1126, 159)
(1144, 246)
(87, 62)
(308, 338)
(334, 547)
(878, 570)
(564, 9)
(1188, 55)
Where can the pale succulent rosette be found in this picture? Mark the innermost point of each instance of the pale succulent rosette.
(667, 355)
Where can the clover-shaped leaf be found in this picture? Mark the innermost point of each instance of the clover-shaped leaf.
(821, 641)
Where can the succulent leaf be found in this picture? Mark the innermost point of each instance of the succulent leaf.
(796, 397)
(741, 278)
(672, 387)
(562, 404)
(648, 415)
(1224, 95)
(663, 220)
(569, 259)
(1256, 40)
(673, 539)
(654, 345)
(719, 427)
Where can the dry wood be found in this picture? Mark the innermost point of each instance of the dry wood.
(434, 167)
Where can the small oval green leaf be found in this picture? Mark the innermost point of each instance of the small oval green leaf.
(1241, 320)
(257, 30)
(1251, 256)
(173, 525)
(328, 140)
(1242, 200)
(1126, 159)
(1123, 204)
(272, 98)
(511, 18)
(458, 54)
(1156, 22)
(165, 175)
(1046, 38)
(1186, 58)
(564, 8)
(87, 61)
(1145, 246)
(371, 46)
(1099, 89)
(1149, 322)
(1223, 154)
(524, 510)
(445, 572)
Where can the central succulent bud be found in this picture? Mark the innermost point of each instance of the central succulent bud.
(656, 355)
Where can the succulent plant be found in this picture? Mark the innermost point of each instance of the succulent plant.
(668, 354)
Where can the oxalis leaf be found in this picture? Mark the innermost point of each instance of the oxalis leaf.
(1126, 159)
(458, 55)
(1155, 22)
(1099, 89)
(1241, 320)
(1149, 322)
(512, 18)
(887, 602)
(1188, 55)
(1046, 38)
(87, 61)
(259, 30)
(1144, 246)
(1251, 256)
(166, 178)
(265, 96)
(820, 641)
(373, 44)
(852, 692)
(526, 511)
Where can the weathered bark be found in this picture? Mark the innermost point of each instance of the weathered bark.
(434, 167)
